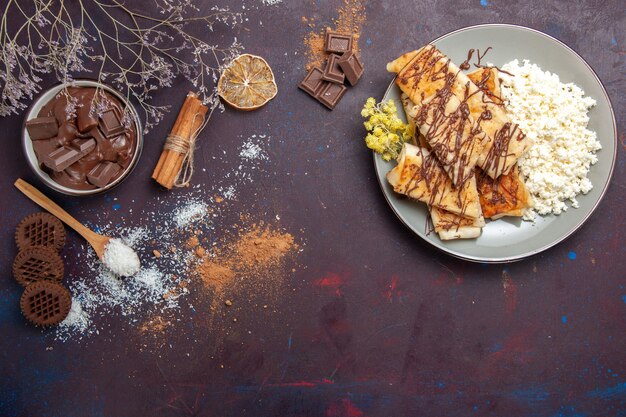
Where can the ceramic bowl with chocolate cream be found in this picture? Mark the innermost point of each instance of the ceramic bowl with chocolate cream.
(83, 138)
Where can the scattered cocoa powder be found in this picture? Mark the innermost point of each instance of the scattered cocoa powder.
(192, 242)
(154, 325)
(262, 248)
(350, 20)
(152, 333)
(255, 254)
(215, 275)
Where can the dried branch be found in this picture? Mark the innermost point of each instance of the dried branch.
(135, 52)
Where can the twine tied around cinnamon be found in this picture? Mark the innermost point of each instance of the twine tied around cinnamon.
(176, 164)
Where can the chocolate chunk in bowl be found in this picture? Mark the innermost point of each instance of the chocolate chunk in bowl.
(100, 126)
(42, 128)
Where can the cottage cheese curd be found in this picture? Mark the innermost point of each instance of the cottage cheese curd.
(554, 116)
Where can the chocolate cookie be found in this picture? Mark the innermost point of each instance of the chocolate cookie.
(45, 303)
(40, 229)
(37, 263)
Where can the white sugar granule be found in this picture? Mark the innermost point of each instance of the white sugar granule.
(251, 150)
(120, 258)
(77, 320)
(272, 2)
(154, 283)
(191, 212)
(554, 115)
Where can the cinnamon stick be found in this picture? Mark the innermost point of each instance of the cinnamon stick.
(189, 120)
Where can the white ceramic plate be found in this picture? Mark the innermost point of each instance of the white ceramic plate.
(511, 239)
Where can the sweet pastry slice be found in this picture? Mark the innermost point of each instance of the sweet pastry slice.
(450, 226)
(447, 225)
(410, 110)
(441, 116)
(426, 72)
(505, 196)
(488, 81)
(418, 175)
(453, 136)
(508, 194)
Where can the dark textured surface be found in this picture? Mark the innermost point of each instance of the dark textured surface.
(379, 323)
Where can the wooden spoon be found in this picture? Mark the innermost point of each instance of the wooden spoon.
(98, 242)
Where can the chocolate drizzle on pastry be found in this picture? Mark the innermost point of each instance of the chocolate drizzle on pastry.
(465, 121)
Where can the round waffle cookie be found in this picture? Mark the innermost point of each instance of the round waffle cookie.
(45, 303)
(37, 263)
(40, 229)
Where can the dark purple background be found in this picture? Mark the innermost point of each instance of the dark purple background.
(379, 323)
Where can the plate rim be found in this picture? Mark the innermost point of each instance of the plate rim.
(525, 255)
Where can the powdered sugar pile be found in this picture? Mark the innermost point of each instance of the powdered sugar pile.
(121, 259)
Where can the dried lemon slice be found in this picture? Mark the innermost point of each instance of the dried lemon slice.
(248, 83)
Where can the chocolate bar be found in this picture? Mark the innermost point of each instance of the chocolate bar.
(102, 173)
(313, 82)
(84, 146)
(42, 128)
(333, 72)
(335, 42)
(110, 123)
(63, 157)
(331, 95)
(351, 66)
(86, 117)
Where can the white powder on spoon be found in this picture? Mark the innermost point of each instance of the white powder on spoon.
(121, 259)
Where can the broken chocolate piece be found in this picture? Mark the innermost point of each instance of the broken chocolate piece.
(331, 95)
(102, 173)
(337, 42)
(87, 118)
(84, 146)
(42, 128)
(333, 72)
(313, 82)
(110, 123)
(351, 66)
(63, 157)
